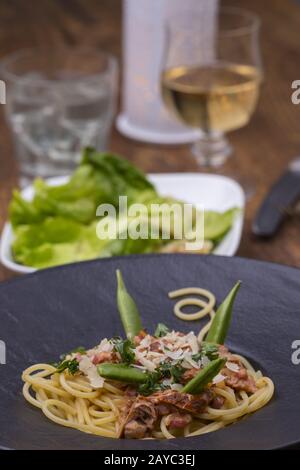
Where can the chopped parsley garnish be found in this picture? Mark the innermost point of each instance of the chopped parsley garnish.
(125, 348)
(168, 370)
(176, 372)
(72, 366)
(152, 384)
(210, 350)
(80, 350)
(161, 330)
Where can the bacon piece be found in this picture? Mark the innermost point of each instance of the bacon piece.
(188, 375)
(137, 339)
(178, 420)
(155, 346)
(163, 409)
(217, 402)
(104, 357)
(131, 392)
(239, 380)
(224, 353)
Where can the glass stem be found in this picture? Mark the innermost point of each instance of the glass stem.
(212, 149)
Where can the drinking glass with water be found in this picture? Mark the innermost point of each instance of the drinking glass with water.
(57, 103)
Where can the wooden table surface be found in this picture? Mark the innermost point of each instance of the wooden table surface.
(263, 148)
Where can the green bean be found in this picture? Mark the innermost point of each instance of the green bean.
(220, 324)
(128, 310)
(206, 375)
(122, 373)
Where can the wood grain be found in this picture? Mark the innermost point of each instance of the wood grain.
(262, 149)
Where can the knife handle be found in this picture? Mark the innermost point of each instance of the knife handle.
(271, 213)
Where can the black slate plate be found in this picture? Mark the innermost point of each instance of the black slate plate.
(53, 311)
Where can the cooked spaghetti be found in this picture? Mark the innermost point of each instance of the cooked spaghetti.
(166, 385)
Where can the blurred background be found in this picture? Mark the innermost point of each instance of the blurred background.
(262, 149)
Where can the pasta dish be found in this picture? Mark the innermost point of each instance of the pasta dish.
(162, 385)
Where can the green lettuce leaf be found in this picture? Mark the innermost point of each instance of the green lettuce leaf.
(217, 224)
(22, 212)
(100, 178)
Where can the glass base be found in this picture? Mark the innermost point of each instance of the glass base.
(212, 150)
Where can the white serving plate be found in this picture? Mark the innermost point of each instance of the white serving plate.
(213, 192)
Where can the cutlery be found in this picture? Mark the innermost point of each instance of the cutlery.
(283, 194)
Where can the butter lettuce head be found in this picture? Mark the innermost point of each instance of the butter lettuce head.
(59, 225)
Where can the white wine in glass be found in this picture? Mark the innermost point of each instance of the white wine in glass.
(219, 95)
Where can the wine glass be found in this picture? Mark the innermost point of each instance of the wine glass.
(211, 81)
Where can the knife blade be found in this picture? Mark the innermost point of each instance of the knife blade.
(282, 195)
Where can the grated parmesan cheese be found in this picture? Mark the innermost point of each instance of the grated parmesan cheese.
(218, 378)
(173, 347)
(90, 371)
(176, 387)
(232, 366)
